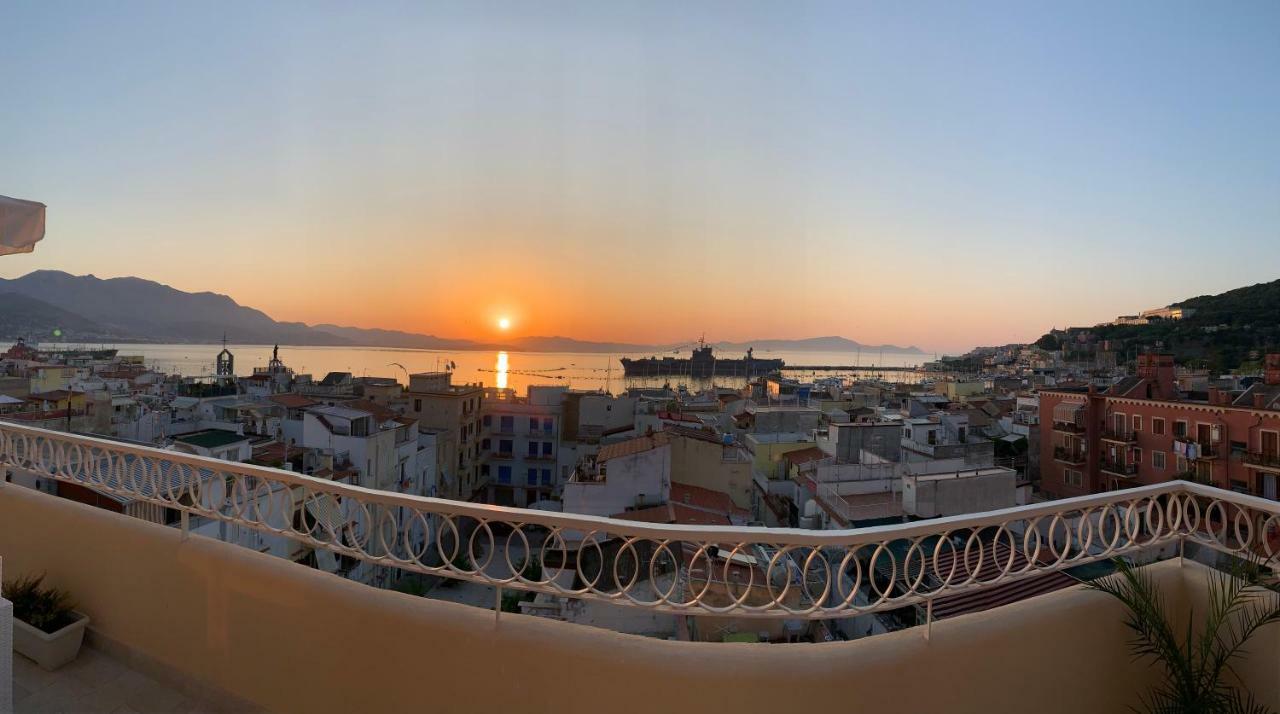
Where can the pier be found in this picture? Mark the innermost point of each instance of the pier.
(848, 368)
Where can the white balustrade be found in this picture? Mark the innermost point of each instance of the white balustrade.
(697, 570)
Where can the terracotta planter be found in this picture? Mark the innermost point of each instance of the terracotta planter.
(50, 651)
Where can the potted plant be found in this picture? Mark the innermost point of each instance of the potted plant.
(46, 626)
(1196, 660)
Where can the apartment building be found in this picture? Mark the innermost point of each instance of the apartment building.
(520, 444)
(1142, 430)
(452, 413)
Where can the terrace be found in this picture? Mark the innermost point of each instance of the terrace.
(224, 624)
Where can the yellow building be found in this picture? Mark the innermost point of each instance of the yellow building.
(50, 378)
(768, 449)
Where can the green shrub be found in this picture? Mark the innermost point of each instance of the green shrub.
(47, 609)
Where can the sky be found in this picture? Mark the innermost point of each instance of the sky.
(931, 173)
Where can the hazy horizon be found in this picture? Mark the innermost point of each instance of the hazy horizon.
(929, 175)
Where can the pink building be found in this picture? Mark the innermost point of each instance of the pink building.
(1141, 431)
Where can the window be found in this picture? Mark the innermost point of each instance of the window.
(533, 448)
(1137, 456)
(504, 446)
(504, 474)
(484, 470)
(532, 477)
(533, 423)
(1137, 422)
(547, 424)
(484, 444)
(1157, 460)
(1073, 478)
(417, 405)
(1118, 423)
(488, 421)
(507, 424)
(1180, 429)
(546, 477)
(546, 448)
(1157, 426)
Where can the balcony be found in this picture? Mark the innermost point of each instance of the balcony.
(204, 615)
(1074, 457)
(1121, 470)
(1068, 427)
(1119, 437)
(1266, 462)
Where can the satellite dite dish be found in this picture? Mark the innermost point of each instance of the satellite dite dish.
(21, 225)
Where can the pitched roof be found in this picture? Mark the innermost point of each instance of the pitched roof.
(804, 456)
(675, 513)
(704, 499)
(293, 401)
(378, 411)
(700, 434)
(638, 445)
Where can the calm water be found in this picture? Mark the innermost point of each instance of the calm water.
(503, 369)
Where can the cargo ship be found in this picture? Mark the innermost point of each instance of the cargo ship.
(702, 365)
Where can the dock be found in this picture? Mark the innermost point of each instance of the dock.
(848, 368)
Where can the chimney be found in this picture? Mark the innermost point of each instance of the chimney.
(1158, 370)
(1271, 369)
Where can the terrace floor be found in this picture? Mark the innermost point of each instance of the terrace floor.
(94, 682)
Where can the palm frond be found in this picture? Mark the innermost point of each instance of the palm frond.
(1196, 663)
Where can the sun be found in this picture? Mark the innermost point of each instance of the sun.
(504, 323)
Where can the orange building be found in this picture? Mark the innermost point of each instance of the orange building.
(1142, 431)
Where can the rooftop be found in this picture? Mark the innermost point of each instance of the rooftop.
(211, 438)
(638, 445)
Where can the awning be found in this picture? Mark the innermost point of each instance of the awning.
(21, 225)
(1068, 412)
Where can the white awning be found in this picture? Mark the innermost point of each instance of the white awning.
(21, 225)
(1068, 412)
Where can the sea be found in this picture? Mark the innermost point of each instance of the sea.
(505, 369)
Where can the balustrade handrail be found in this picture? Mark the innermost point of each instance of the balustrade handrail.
(425, 535)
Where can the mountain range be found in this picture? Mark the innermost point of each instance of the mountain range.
(85, 308)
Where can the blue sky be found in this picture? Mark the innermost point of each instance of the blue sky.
(924, 173)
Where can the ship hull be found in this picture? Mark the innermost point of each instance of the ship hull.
(671, 367)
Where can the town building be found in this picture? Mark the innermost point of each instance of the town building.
(520, 444)
(452, 413)
(1143, 430)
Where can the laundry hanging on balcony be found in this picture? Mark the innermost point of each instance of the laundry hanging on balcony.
(21, 225)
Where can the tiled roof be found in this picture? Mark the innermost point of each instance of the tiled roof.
(700, 434)
(675, 513)
(293, 401)
(703, 498)
(637, 445)
(378, 411)
(804, 456)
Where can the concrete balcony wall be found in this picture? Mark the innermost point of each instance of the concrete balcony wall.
(292, 639)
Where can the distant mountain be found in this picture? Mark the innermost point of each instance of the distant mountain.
(816, 344)
(568, 344)
(24, 316)
(373, 337)
(87, 308)
(132, 307)
(1225, 332)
